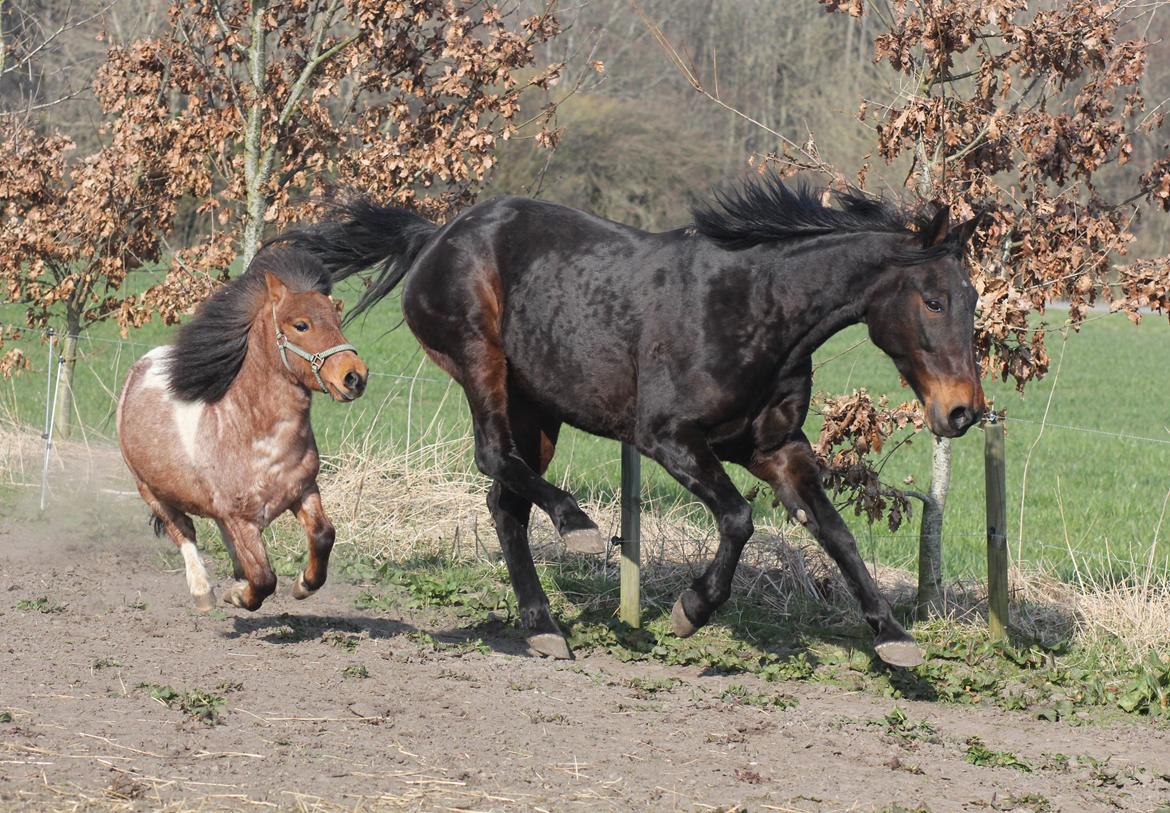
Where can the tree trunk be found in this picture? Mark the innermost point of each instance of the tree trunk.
(930, 533)
(254, 175)
(930, 597)
(63, 420)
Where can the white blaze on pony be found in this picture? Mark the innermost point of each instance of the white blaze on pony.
(217, 424)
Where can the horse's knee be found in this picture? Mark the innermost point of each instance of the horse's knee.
(489, 461)
(736, 524)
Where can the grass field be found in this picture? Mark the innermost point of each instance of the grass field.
(1097, 493)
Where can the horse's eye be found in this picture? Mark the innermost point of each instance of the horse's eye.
(934, 306)
(301, 326)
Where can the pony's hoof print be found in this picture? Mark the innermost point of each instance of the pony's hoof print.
(679, 622)
(551, 646)
(584, 541)
(206, 602)
(900, 653)
(299, 591)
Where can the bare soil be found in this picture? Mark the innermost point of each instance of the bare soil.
(328, 707)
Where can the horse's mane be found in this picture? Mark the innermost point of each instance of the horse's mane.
(763, 209)
(210, 349)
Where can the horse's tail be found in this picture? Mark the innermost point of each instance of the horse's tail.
(362, 235)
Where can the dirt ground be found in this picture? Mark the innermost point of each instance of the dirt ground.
(328, 707)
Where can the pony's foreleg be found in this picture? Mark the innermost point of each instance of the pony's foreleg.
(181, 530)
(259, 579)
(793, 473)
(311, 514)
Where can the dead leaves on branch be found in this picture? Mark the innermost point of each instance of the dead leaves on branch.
(406, 100)
(854, 431)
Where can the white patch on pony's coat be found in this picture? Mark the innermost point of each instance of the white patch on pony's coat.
(186, 413)
(197, 581)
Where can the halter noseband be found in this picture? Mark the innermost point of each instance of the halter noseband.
(316, 360)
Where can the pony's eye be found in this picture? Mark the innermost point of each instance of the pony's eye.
(301, 326)
(934, 306)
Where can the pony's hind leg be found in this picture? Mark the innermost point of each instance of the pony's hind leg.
(319, 530)
(259, 580)
(181, 530)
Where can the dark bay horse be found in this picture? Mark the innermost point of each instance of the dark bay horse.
(217, 424)
(695, 345)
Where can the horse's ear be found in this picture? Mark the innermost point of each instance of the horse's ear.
(964, 231)
(940, 226)
(276, 287)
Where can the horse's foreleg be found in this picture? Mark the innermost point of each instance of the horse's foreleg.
(793, 473)
(684, 453)
(259, 580)
(311, 514)
(181, 530)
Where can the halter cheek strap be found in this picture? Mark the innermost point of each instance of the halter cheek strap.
(316, 360)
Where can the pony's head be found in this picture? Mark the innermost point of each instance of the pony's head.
(923, 316)
(286, 290)
(310, 342)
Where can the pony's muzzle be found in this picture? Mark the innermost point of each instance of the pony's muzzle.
(349, 380)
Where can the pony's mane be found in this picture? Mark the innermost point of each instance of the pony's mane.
(762, 209)
(210, 349)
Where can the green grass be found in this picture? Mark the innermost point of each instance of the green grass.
(1099, 494)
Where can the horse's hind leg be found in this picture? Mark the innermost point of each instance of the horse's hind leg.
(259, 580)
(511, 513)
(181, 530)
(498, 456)
(319, 529)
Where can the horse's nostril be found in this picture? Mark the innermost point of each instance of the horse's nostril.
(961, 417)
(354, 381)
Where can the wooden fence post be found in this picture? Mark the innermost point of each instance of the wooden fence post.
(630, 610)
(997, 555)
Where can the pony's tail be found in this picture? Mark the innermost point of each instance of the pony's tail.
(360, 235)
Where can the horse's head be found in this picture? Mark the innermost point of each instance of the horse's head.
(308, 328)
(923, 317)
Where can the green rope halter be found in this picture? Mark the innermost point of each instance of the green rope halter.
(316, 360)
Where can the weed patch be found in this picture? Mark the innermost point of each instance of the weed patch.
(197, 704)
(979, 754)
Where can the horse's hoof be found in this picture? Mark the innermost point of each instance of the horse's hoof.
(682, 626)
(551, 645)
(299, 590)
(205, 602)
(588, 540)
(900, 653)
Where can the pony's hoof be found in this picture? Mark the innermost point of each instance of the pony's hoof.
(235, 595)
(900, 653)
(588, 540)
(551, 645)
(682, 626)
(205, 602)
(299, 590)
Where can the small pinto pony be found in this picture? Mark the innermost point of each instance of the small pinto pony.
(217, 424)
